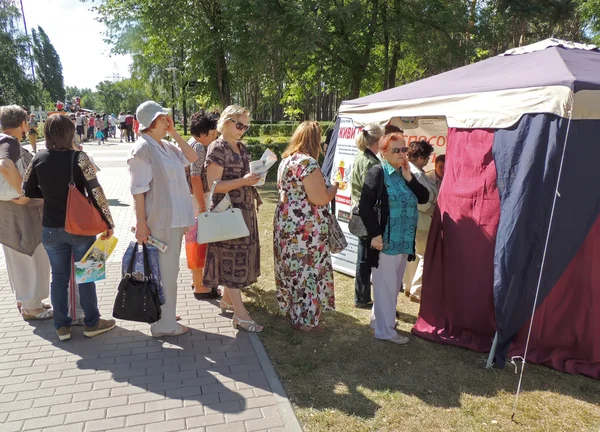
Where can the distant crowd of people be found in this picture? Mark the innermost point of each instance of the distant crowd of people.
(394, 196)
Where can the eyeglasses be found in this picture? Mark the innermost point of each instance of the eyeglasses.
(240, 126)
(396, 150)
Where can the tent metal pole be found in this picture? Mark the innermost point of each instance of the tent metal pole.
(490, 360)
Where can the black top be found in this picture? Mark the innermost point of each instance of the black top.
(368, 199)
(48, 177)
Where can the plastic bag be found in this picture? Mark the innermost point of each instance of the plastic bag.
(195, 253)
(138, 265)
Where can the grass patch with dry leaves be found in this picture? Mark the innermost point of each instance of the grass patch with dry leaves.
(345, 379)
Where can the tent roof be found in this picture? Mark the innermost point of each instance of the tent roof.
(542, 78)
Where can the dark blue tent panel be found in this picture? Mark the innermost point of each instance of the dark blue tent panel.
(527, 160)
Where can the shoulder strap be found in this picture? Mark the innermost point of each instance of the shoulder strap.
(73, 161)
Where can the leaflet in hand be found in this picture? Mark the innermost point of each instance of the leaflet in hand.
(92, 266)
(262, 165)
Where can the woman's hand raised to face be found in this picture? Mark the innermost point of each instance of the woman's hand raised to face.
(170, 125)
(405, 168)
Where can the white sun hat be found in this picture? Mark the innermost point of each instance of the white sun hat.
(147, 112)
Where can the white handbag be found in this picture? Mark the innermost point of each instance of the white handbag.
(221, 225)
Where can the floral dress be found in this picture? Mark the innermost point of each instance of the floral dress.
(303, 271)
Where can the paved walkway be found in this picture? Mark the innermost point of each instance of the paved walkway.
(212, 379)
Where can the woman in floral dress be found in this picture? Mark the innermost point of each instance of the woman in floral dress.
(303, 272)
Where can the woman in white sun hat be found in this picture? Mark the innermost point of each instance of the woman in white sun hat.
(163, 205)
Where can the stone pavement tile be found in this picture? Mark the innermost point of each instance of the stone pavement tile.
(147, 418)
(66, 408)
(125, 410)
(203, 421)
(168, 426)
(12, 426)
(230, 427)
(169, 404)
(84, 416)
(24, 414)
(40, 423)
(103, 425)
(247, 414)
(73, 427)
(263, 423)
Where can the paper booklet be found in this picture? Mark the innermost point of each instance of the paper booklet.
(262, 165)
(92, 266)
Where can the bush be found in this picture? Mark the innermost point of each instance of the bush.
(252, 141)
(268, 140)
(277, 129)
(281, 140)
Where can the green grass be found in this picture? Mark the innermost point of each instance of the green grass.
(346, 380)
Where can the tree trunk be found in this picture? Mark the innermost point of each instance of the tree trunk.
(394, 66)
(222, 78)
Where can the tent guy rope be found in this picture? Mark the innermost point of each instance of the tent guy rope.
(537, 291)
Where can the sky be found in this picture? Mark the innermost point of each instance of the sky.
(78, 39)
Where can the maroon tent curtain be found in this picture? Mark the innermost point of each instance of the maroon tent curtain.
(566, 328)
(457, 304)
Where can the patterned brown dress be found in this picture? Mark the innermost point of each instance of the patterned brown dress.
(234, 263)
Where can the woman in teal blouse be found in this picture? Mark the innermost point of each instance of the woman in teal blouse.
(391, 188)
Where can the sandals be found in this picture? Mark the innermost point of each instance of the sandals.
(249, 326)
(182, 330)
(44, 315)
(225, 307)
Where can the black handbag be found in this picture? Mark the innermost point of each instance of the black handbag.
(356, 225)
(137, 300)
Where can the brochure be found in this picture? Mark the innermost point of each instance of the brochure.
(262, 165)
(92, 266)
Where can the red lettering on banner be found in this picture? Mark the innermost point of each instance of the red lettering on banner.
(443, 139)
(343, 200)
(440, 141)
(347, 133)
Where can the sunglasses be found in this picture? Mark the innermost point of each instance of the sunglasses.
(240, 126)
(396, 150)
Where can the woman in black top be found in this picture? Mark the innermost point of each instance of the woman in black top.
(48, 177)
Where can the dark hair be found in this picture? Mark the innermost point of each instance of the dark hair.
(440, 158)
(417, 149)
(59, 132)
(390, 128)
(202, 123)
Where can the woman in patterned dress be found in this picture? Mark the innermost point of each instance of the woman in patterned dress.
(234, 264)
(303, 272)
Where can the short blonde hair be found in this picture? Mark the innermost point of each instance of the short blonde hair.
(306, 140)
(230, 112)
(369, 135)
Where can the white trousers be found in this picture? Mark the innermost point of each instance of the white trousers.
(29, 276)
(168, 263)
(413, 278)
(387, 279)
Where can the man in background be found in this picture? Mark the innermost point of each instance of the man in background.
(129, 124)
(32, 125)
(437, 174)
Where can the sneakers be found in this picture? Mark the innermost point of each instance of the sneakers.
(64, 333)
(398, 339)
(102, 327)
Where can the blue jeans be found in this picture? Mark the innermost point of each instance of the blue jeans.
(60, 246)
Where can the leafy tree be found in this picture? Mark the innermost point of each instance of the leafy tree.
(15, 85)
(48, 65)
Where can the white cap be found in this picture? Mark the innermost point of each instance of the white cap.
(147, 112)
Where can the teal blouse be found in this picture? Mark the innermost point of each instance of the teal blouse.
(399, 234)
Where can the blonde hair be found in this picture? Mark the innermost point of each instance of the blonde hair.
(230, 112)
(369, 135)
(306, 139)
